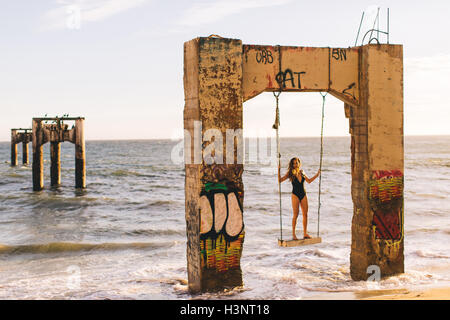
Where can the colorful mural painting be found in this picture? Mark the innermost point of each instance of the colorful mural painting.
(386, 201)
(221, 219)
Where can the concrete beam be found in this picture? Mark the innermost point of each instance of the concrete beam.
(38, 156)
(80, 154)
(55, 165)
(378, 164)
(13, 148)
(269, 68)
(213, 97)
(25, 156)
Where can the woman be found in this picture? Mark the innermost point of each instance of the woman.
(299, 198)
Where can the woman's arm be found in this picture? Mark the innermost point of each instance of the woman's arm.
(281, 179)
(313, 178)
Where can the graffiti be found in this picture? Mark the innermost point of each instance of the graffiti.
(386, 202)
(228, 175)
(351, 94)
(264, 56)
(339, 54)
(288, 76)
(221, 217)
(221, 227)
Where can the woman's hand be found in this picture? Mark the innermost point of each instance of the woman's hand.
(313, 178)
(281, 179)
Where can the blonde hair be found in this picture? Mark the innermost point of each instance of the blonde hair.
(291, 169)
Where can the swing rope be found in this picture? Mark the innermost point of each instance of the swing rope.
(275, 126)
(320, 165)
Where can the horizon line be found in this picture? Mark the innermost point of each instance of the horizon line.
(247, 137)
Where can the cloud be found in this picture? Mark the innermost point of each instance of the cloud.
(74, 13)
(201, 13)
(436, 63)
(426, 80)
(425, 89)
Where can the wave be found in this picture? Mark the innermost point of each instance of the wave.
(428, 195)
(61, 247)
(127, 173)
(318, 253)
(159, 203)
(14, 175)
(423, 254)
(150, 232)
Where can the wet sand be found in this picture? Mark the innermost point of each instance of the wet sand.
(425, 294)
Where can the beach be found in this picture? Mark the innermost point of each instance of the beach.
(124, 236)
(425, 294)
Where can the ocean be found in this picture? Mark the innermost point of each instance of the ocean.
(124, 236)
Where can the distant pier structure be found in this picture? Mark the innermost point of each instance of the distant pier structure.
(20, 135)
(56, 132)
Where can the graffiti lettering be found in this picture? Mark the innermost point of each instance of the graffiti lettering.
(351, 86)
(339, 54)
(221, 227)
(288, 76)
(264, 56)
(386, 202)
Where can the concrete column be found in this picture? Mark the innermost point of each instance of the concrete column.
(38, 156)
(214, 191)
(377, 165)
(80, 155)
(25, 157)
(55, 167)
(13, 149)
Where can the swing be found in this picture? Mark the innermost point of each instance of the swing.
(317, 239)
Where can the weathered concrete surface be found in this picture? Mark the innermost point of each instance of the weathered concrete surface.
(55, 163)
(378, 164)
(213, 96)
(368, 79)
(25, 154)
(267, 68)
(192, 171)
(38, 155)
(80, 155)
(55, 133)
(13, 149)
(20, 136)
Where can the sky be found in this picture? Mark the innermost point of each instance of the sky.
(119, 63)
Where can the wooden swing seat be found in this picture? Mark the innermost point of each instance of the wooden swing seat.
(299, 242)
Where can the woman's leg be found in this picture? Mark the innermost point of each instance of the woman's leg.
(295, 208)
(304, 206)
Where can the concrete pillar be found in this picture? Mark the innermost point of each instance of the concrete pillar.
(38, 156)
(80, 155)
(13, 149)
(25, 157)
(214, 191)
(55, 166)
(376, 128)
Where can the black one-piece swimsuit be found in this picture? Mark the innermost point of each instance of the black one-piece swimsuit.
(298, 188)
